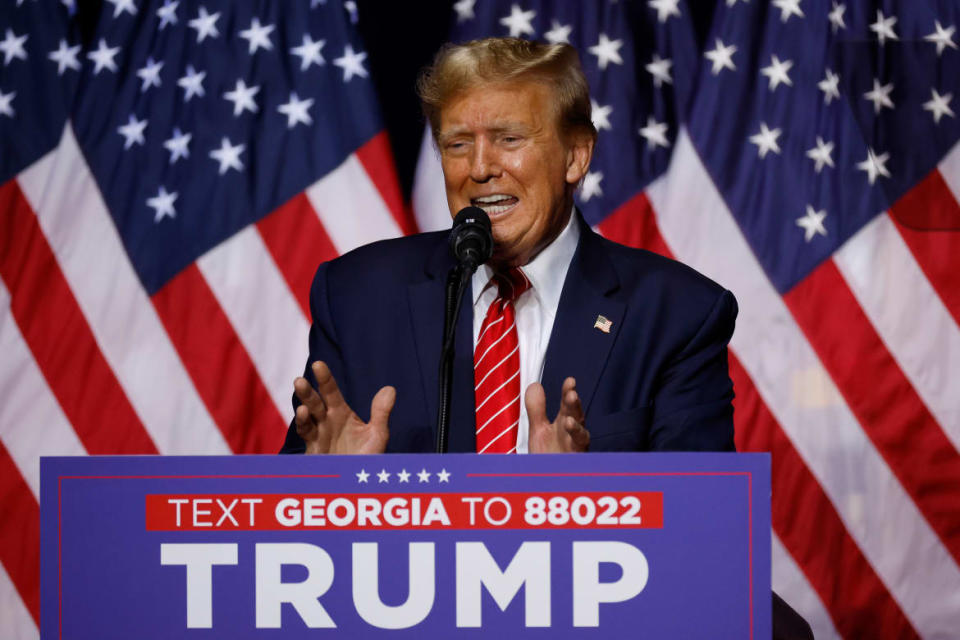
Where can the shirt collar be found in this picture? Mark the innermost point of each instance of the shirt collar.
(547, 271)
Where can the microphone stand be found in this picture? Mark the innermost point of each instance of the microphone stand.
(457, 280)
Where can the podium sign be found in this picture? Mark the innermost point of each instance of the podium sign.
(618, 545)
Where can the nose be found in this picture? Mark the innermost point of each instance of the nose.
(484, 163)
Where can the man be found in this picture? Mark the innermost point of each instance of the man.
(625, 349)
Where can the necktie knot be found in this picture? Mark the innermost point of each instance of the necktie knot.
(511, 283)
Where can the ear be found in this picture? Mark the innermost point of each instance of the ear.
(579, 154)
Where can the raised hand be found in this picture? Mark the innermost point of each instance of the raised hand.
(327, 424)
(566, 433)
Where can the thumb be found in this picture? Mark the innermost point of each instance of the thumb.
(536, 402)
(382, 405)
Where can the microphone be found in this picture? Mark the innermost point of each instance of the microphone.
(471, 240)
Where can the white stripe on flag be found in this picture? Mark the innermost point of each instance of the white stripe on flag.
(32, 424)
(950, 170)
(17, 623)
(71, 211)
(429, 195)
(788, 579)
(351, 208)
(908, 315)
(879, 515)
(258, 302)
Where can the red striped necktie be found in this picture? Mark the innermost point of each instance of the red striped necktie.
(496, 368)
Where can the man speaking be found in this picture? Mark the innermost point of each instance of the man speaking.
(565, 341)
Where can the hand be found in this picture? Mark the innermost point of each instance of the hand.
(327, 424)
(566, 433)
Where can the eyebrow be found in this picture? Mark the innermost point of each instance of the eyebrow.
(507, 127)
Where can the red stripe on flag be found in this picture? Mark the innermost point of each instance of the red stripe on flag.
(923, 216)
(218, 364)
(298, 243)
(377, 159)
(59, 337)
(886, 405)
(857, 600)
(635, 225)
(20, 533)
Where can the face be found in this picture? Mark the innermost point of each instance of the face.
(501, 150)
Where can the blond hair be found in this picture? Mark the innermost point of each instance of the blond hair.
(457, 68)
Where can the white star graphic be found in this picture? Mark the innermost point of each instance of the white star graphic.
(351, 8)
(812, 223)
(309, 52)
(192, 83)
(121, 6)
(722, 57)
(205, 24)
(730, 3)
(296, 111)
(821, 154)
(443, 476)
(942, 37)
(150, 74)
(836, 16)
(242, 98)
(766, 140)
(665, 9)
(939, 105)
(655, 133)
(607, 51)
(103, 57)
(558, 33)
(424, 475)
(519, 21)
(12, 47)
(167, 13)
(65, 57)
(883, 27)
(177, 145)
(352, 63)
(659, 68)
(600, 115)
(383, 476)
(777, 72)
(132, 132)
(464, 9)
(830, 86)
(591, 186)
(162, 204)
(788, 8)
(880, 96)
(403, 475)
(6, 103)
(228, 155)
(362, 476)
(258, 36)
(875, 165)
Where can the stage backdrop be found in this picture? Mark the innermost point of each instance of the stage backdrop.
(172, 172)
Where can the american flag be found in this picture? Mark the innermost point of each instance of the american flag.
(171, 175)
(803, 154)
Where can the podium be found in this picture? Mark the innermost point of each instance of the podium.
(605, 545)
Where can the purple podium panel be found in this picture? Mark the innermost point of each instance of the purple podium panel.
(605, 545)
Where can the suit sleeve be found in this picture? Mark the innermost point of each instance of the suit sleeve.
(323, 346)
(692, 406)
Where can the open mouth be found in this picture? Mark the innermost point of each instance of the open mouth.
(495, 204)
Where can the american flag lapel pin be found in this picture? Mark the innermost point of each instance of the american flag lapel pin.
(603, 324)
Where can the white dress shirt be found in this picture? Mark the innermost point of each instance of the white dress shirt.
(535, 310)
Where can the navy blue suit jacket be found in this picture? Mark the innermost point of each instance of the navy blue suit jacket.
(657, 381)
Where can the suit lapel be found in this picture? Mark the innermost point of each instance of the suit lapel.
(426, 317)
(577, 348)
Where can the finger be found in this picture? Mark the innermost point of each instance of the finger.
(578, 434)
(382, 405)
(535, 399)
(327, 386)
(570, 401)
(306, 426)
(310, 399)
